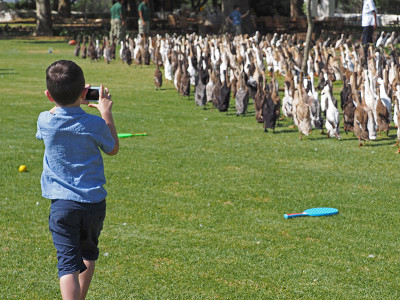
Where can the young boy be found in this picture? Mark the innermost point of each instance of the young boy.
(73, 173)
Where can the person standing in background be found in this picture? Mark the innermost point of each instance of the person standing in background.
(144, 18)
(368, 23)
(235, 18)
(117, 20)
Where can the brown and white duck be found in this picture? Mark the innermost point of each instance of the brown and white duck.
(242, 96)
(360, 118)
(185, 82)
(301, 110)
(157, 77)
(382, 114)
(259, 99)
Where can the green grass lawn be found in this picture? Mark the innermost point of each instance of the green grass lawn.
(195, 209)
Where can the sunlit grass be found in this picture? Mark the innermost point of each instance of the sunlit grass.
(195, 209)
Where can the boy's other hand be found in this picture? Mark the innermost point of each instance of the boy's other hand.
(83, 99)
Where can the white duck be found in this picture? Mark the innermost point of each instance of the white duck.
(98, 50)
(348, 57)
(384, 97)
(191, 71)
(287, 101)
(121, 51)
(269, 59)
(392, 73)
(380, 40)
(167, 68)
(340, 41)
(390, 39)
(223, 68)
(369, 97)
(332, 113)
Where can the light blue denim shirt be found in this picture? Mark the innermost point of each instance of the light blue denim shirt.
(72, 165)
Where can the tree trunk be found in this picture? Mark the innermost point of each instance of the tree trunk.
(64, 8)
(227, 7)
(294, 8)
(131, 8)
(43, 18)
(308, 37)
(214, 3)
(55, 5)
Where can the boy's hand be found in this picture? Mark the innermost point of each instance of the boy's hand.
(105, 104)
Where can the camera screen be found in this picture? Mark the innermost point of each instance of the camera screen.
(93, 94)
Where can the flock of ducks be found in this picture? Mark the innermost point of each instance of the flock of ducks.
(233, 68)
(91, 48)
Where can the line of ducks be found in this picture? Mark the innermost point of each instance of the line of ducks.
(228, 67)
(130, 49)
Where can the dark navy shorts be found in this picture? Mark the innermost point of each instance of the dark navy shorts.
(75, 228)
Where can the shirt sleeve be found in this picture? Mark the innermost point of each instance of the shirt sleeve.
(38, 131)
(373, 8)
(369, 6)
(104, 138)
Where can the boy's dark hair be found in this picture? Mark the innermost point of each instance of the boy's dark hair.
(65, 81)
(235, 6)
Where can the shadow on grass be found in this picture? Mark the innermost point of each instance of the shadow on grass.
(378, 143)
(287, 131)
(245, 115)
(43, 42)
(165, 89)
(7, 71)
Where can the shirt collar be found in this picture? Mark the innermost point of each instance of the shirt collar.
(69, 110)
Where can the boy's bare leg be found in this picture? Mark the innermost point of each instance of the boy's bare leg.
(86, 277)
(69, 286)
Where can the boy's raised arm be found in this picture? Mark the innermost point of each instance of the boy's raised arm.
(104, 106)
